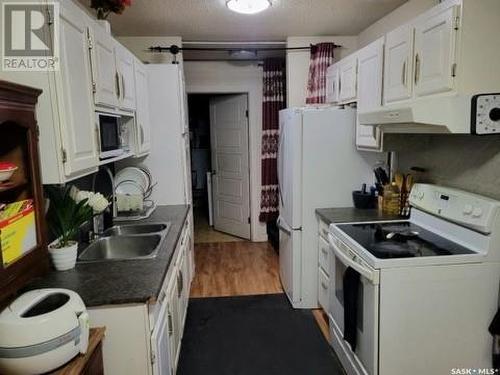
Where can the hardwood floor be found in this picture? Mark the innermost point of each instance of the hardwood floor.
(238, 269)
(235, 269)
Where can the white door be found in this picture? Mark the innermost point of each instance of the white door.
(79, 128)
(290, 261)
(142, 110)
(229, 141)
(398, 69)
(125, 62)
(370, 70)
(160, 344)
(332, 84)
(435, 53)
(105, 74)
(347, 79)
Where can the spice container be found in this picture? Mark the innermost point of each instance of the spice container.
(391, 203)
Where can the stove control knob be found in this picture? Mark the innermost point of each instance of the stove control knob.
(421, 195)
(468, 209)
(477, 212)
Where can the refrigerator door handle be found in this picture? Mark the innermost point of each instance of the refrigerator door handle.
(282, 228)
(280, 141)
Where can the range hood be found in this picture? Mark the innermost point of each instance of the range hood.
(454, 114)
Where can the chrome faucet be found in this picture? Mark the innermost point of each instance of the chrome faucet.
(98, 224)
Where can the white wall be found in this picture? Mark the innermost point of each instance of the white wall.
(225, 77)
(396, 18)
(298, 63)
(138, 45)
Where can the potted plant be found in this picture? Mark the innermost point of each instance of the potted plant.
(69, 209)
(105, 7)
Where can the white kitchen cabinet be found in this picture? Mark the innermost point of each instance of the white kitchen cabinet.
(105, 76)
(146, 338)
(143, 126)
(398, 68)
(125, 70)
(370, 73)
(332, 83)
(324, 273)
(74, 84)
(348, 79)
(435, 38)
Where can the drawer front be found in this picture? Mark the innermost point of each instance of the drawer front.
(323, 229)
(324, 255)
(323, 292)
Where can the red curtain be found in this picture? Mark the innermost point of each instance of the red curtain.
(321, 58)
(273, 101)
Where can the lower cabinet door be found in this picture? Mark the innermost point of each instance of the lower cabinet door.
(173, 322)
(161, 345)
(323, 290)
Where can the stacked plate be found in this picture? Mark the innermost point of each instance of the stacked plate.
(134, 183)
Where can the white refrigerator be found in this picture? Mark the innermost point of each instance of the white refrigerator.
(318, 167)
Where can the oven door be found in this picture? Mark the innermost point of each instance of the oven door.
(110, 143)
(364, 359)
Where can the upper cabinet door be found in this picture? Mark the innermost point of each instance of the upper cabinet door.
(398, 70)
(332, 84)
(142, 111)
(435, 53)
(76, 106)
(125, 62)
(106, 79)
(348, 79)
(370, 70)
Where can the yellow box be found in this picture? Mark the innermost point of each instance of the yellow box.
(17, 235)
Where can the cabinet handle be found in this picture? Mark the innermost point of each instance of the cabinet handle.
(325, 232)
(117, 81)
(324, 286)
(161, 298)
(123, 86)
(142, 134)
(403, 76)
(180, 284)
(324, 251)
(170, 327)
(417, 68)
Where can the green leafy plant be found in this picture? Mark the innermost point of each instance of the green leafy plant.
(65, 215)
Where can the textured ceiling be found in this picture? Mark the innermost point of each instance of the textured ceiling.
(210, 20)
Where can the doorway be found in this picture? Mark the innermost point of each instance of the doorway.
(218, 126)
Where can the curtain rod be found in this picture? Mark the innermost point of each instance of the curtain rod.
(233, 43)
(174, 49)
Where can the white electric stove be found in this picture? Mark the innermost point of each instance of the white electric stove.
(420, 293)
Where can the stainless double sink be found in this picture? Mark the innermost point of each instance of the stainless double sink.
(129, 241)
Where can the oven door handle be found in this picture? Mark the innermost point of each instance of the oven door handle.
(368, 274)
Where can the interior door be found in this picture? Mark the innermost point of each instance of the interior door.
(79, 128)
(435, 53)
(370, 70)
(104, 71)
(229, 141)
(398, 69)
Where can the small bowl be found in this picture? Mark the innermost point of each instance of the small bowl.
(6, 174)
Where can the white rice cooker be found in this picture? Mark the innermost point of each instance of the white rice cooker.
(41, 331)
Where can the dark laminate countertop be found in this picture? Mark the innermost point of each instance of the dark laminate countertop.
(352, 215)
(126, 281)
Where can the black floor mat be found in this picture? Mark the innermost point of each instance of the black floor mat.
(256, 335)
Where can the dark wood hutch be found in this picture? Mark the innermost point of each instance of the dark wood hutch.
(19, 145)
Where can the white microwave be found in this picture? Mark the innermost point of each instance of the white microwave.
(111, 134)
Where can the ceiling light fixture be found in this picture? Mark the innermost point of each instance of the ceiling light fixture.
(248, 6)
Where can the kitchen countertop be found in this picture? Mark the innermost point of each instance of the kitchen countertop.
(352, 215)
(125, 281)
